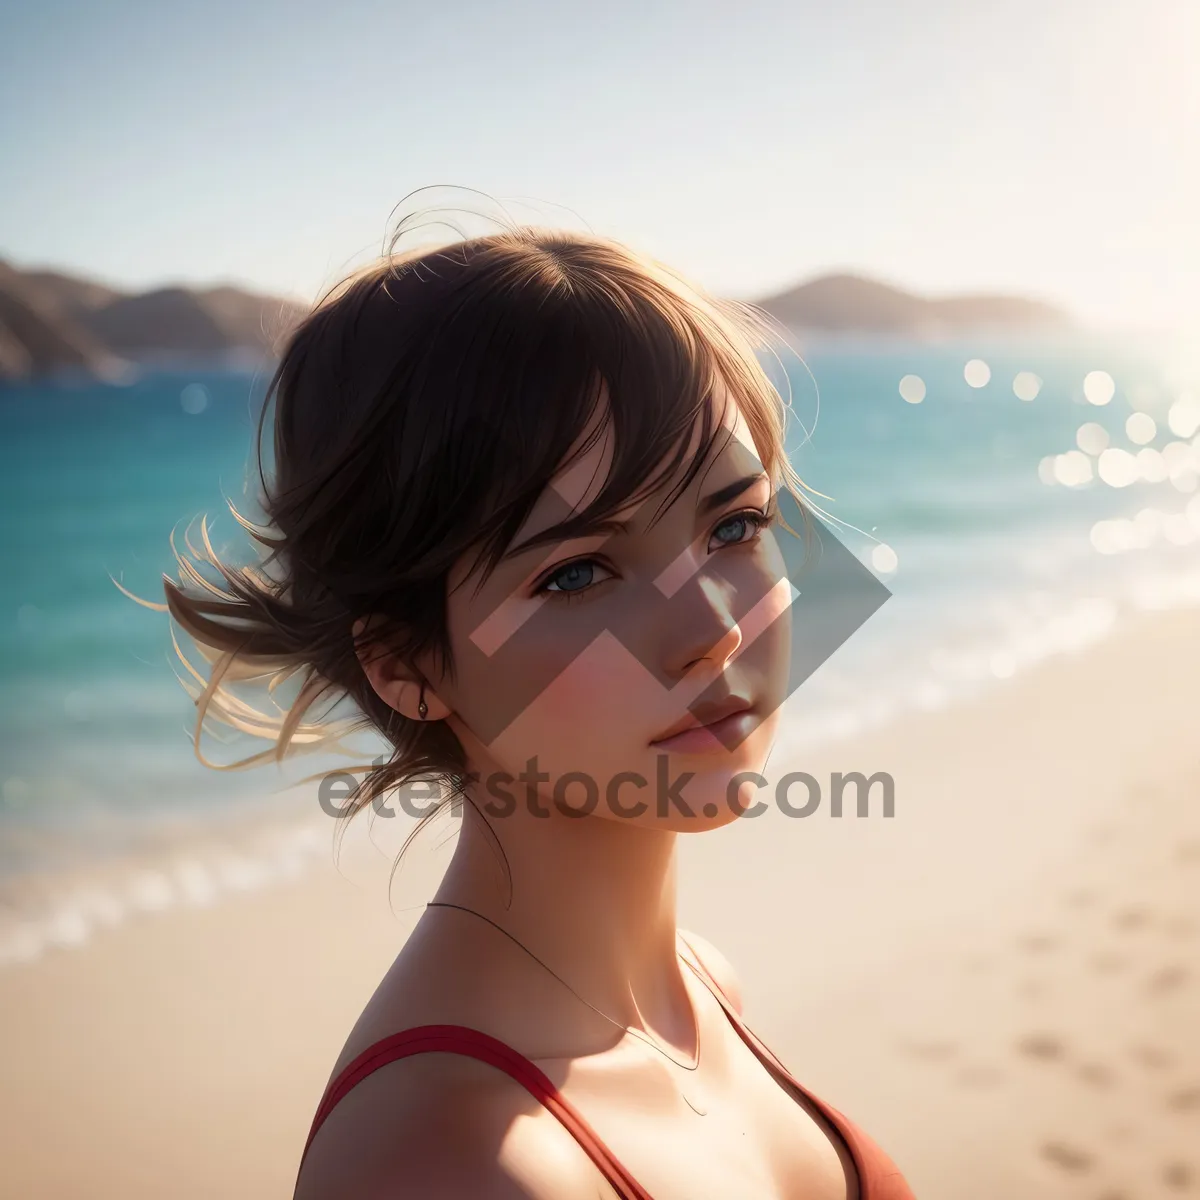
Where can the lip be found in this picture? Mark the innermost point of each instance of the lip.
(712, 727)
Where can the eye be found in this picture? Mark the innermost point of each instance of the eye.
(573, 578)
(740, 527)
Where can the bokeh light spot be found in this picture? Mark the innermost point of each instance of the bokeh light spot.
(1118, 468)
(1151, 465)
(1091, 438)
(1140, 428)
(912, 389)
(1099, 388)
(884, 559)
(1073, 469)
(194, 398)
(1184, 416)
(977, 373)
(1026, 385)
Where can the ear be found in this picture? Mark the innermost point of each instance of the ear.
(395, 682)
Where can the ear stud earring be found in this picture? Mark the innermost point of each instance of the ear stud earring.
(423, 708)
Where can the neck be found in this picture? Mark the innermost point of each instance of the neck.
(593, 898)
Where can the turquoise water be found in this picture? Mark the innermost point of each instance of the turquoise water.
(994, 566)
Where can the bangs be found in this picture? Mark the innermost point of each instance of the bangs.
(426, 405)
(573, 355)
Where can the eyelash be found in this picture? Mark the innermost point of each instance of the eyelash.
(758, 518)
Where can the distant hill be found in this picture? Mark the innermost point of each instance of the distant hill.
(35, 339)
(52, 323)
(853, 303)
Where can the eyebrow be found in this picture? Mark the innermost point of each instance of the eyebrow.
(612, 527)
(554, 534)
(729, 492)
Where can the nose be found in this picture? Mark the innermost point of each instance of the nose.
(703, 627)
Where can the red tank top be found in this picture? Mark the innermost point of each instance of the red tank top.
(878, 1177)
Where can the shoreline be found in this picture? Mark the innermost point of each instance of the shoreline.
(58, 909)
(995, 982)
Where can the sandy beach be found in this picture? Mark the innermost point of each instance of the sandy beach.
(1001, 982)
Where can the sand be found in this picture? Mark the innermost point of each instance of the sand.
(1001, 982)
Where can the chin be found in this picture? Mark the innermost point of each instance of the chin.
(694, 793)
(713, 796)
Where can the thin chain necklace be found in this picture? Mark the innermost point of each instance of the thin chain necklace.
(624, 1028)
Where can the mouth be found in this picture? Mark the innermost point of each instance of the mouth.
(713, 727)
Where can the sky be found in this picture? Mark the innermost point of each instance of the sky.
(1047, 148)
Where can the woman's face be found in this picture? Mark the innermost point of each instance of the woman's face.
(577, 662)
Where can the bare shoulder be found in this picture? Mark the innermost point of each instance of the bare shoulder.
(444, 1127)
(717, 965)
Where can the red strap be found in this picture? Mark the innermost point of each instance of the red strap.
(878, 1176)
(459, 1039)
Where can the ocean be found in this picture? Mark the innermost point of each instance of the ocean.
(1019, 499)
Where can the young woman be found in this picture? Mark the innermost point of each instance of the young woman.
(524, 514)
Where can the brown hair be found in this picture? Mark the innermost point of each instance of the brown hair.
(420, 409)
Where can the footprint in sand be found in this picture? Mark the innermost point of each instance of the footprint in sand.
(931, 1050)
(1185, 1099)
(1101, 835)
(1153, 1057)
(1037, 943)
(1167, 979)
(979, 1076)
(1043, 1046)
(1179, 1175)
(1096, 1074)
(1128, 919)
(1067, 1157)
(1032, 989)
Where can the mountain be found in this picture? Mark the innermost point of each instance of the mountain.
(854, 303)
(51, 323)
(36, 338)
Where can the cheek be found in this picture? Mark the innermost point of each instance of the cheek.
(589, 717)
